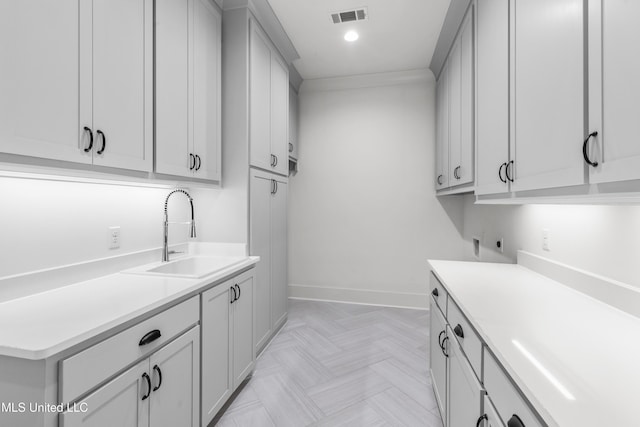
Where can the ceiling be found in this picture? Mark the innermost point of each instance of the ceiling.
(398, 35)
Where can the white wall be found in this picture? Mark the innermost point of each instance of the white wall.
(363, 216)
(601, 239)
(48, 223)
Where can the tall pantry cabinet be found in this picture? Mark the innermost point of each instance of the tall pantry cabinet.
(255, 154)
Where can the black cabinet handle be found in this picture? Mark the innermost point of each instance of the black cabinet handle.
(90, 132)
(276, 186)
(290, 147)
(456, 175)
(515, 421)
(506, 171)
(104, 141)
(440, 338)
(435, 292)
(444, 346)
(500, 173)
(585, 146)
(150, 337)
(273, 161)
(439, 179)
(238, 288)
(192, 161)
(458, 331)
(481, 419)
(156, 368)
(146, 377)
(199, 162)
(235, 296)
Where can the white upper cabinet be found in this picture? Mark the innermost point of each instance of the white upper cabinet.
(82, 92)
(442, 130)
(188, 52)
(269, 104)
(455, 112)
(547, 94)
(492, 92)
(614, 90)
(294, 123)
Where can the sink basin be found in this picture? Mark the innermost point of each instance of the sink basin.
(193, 267)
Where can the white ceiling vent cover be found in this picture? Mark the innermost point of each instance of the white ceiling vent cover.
(359, 14)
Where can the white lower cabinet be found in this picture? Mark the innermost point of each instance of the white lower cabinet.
(161, 390)
(228, 355)
(268, 236)
(438, 359)
(465, 391)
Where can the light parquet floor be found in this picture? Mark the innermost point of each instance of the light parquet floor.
(339, 364)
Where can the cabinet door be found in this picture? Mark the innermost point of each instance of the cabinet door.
(206, 89)
(548, 97)
(117, 403)
(465, 392)
(279, 282)
(492, 102)
(172, 87)
(122, 83)
(244, 354)
(437, 359)
(260, 99)
(493, 419)
(614, 90)
(260, 245)
(442, 130)
(39, 79)
(216, 364)
(465, 172)
(175, 380)
(279, 114)
(455, 123)
(293, 123)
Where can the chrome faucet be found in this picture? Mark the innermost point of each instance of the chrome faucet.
(192, 234)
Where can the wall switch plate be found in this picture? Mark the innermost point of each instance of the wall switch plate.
(545, 240)
(113, 237)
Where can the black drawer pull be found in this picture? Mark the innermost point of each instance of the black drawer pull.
(146, 377)
(506, 171)
(235, 295)
(585, 147)
(500, 173)
(90, 132)
(192, 163)
(458, 331)
(443, 347)
(238, 288)
(150, 337)
(157, 369)
(481, 419)
(435, 292)
(515, 421)
(440, 338)
(104, 141)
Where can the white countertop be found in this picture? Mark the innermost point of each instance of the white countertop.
(591, 349)
(41, 325)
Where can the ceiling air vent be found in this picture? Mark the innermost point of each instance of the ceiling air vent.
(359, 14)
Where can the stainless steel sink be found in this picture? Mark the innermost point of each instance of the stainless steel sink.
(193, 267)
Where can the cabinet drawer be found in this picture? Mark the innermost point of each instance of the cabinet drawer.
(438, 293)
(89, 368)
(505, 395)
(470, 342)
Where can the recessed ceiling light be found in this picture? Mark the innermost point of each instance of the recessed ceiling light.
(351, 36)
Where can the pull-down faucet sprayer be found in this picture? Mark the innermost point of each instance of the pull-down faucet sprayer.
(192, 234)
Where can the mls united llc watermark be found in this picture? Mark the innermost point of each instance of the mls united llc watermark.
(31, 407)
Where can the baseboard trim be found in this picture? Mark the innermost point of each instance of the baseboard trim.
(360, 296)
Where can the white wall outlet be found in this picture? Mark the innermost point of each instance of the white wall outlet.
(113, 237)
(546, 245)
(500, 245)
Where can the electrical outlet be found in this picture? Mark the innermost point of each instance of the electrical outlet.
(500, 245)
(113, 237)
(546, 245)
